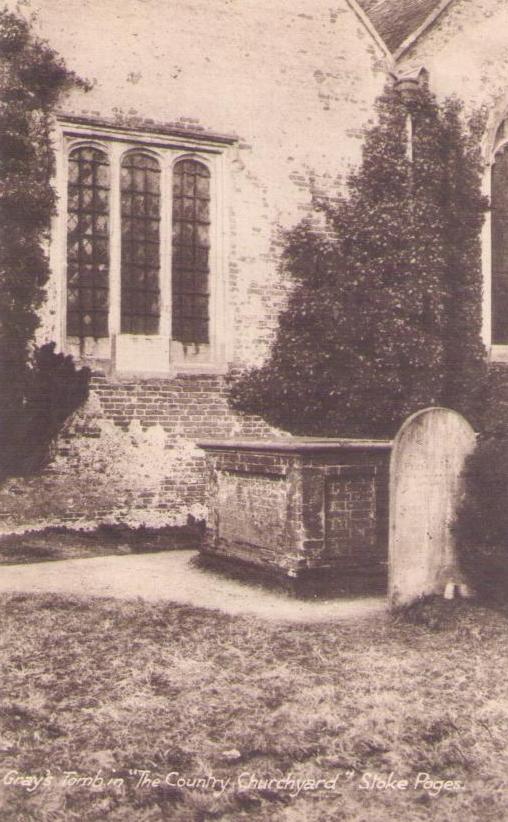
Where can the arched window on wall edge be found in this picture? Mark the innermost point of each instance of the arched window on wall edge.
(499, 235)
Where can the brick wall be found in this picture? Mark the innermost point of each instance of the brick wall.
(186, 408)
(129, 456)
(153, 424)
(190, 406)
(350, 513)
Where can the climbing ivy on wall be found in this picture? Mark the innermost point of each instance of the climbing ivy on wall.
(384, 313)
(32, 80)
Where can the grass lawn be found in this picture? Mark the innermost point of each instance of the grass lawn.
(108, 690)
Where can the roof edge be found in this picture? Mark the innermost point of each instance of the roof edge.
(141, 126)
(367, 23)
(415, 35)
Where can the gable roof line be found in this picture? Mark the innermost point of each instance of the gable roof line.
(362, 16)
(427, 23)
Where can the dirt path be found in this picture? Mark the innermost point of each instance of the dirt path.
(171, 576)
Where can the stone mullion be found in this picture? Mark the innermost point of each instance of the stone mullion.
(165, 231)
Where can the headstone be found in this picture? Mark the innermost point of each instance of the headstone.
(425, 487)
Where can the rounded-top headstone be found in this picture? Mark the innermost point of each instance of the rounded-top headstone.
(426, 465)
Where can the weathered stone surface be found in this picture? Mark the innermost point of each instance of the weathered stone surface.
(299, 507)
(425, 485)
(253, 506)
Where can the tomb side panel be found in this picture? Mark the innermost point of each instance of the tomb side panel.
(251, 513)
(351, 531)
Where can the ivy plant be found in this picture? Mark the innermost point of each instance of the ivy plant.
(384, 309)
(32, 80)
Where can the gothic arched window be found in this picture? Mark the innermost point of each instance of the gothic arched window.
(142, 257)
(88, 243)
(140, 253)
(190, 255)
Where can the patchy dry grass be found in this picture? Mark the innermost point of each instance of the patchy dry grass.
(105, 688)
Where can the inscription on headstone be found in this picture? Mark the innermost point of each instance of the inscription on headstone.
(425, 486)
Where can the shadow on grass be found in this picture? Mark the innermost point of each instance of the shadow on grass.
(314, 586)
(62, 543)
(435, 613)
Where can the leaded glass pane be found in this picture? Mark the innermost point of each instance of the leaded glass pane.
(87, 243)
(191, 241)
(140, 206)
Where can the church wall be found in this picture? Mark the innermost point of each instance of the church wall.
(466, 54)
(293, 84)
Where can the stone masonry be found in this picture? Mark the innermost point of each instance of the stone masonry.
(300, 509)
